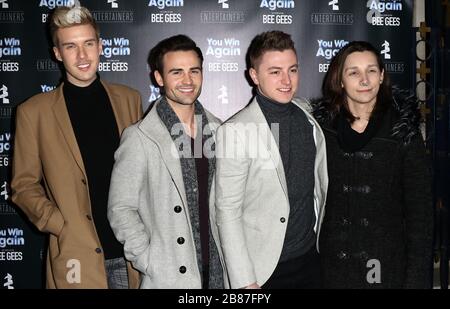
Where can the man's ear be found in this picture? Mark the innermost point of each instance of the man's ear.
(158, 78)
(57, 54)
(253, 75)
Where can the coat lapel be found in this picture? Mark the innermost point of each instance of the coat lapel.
(115, 101)
(154, 128)
(63, 119)
(266, 137)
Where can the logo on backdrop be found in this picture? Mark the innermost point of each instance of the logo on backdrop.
(47, 88)
(114, 51)
(223, 95)
(4, 161)
(5, 146)
(395, 67)
(327, 50)
(332, 16)
(386, 49)
(114, 4)
(46, 65)
(111, 15)
(4, 191)
(5, 108)
(8, 282)
(224, 3)
(223, 53)
(4, 94)
(10, 47)
(274, 11)
(382, 12)
(10, 239)
(10, 17)
(223, 16)
(155, 93)
(334, 4)
(52, 4)
(165, 11)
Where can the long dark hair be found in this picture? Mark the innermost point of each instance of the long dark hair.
(335, 95)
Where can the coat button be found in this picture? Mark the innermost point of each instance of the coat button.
(98, 250)
(177, 209)
(342, 255)
(83, 181)
(89, 217)
(180, 240)
(182, 269)
(282, 220)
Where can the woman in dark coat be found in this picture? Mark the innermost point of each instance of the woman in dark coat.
(377, 231)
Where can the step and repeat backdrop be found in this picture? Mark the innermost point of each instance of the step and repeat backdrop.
(222, 28)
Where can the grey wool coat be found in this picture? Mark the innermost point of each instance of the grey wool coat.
(252, 201)
(148, 208)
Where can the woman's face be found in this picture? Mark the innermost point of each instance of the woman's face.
(361, 78)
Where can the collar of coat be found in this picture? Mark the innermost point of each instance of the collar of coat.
(400, 122)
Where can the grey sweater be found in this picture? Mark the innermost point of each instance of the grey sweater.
(298, 152)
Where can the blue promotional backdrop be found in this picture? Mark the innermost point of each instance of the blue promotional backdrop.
(222, 28)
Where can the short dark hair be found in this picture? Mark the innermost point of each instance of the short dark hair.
(268, 41)
(179, 42)
(332, 90)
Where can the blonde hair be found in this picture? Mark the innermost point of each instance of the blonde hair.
(64, 17)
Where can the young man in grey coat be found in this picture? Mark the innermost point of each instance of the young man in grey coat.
(271, 185)
(162, 189)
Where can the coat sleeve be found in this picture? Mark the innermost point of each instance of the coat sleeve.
(139, 111)
(231, 177)
(127, 181)
(27, 190)
(418, 214)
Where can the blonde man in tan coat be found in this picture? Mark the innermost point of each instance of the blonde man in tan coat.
(63, 156)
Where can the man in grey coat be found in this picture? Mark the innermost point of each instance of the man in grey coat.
(162, 189)
(271, 184)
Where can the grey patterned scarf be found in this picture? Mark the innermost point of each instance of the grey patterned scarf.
(169, 118)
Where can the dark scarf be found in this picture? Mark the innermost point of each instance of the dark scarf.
(169, 118)
(352, 141)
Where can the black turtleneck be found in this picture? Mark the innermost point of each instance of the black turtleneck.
(298, 153)
(97, 134)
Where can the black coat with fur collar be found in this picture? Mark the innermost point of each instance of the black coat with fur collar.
(377, 231)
